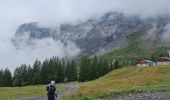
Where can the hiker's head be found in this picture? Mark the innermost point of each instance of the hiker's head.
(52, 83)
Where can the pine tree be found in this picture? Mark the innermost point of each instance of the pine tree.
(7, 77)
(73, 70)
(17, 78)
(29, 75)
(63, 64)
(105, 67)
(60, 72)
(153, 57)
(45, 72)
(53, 67)
(24, 72)
(83, 71)
(20, 76)
(67, 71)
(1, 78)
(36, 72)
(116, 64)
(94, 68)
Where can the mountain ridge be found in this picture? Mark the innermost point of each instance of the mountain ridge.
(109, 29)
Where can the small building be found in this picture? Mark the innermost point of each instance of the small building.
(162, 61)
(145, 63)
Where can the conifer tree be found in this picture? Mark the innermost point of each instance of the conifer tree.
(5, 78)
(21, 76)
(36, 72)
(1, 78)
(67, 71)
(73, 71)
(94, 68)
(45, 72)
(83, 70)
(29, 75)
(116, 64)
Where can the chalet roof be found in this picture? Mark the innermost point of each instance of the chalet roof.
(145, 61)
(164, 59)
(149, 61)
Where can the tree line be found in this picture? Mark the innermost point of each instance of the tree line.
(93, 68)
(5, 78)
(59, 70)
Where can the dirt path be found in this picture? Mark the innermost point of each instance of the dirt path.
(68, 89)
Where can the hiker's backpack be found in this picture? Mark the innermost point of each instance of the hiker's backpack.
(51, 90)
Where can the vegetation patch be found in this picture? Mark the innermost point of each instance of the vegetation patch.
(13, 93)
(126, 80)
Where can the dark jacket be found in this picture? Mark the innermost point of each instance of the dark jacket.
(51, 90)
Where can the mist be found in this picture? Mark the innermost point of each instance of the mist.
(51, 13)
(12, 56)
(166, 34)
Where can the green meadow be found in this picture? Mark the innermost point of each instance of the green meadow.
(118, 82)
(123, 81)
(12, 93)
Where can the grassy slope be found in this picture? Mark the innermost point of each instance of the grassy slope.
(125, 80)
(12, 93)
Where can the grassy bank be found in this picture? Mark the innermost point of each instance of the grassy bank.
(118, 82)
(123, 81)
(12, 93)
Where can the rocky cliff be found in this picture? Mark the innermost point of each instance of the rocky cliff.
(91, 36)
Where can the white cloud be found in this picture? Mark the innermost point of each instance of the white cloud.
(12, 56)
(52, 12)
(15, 12)
(166, 34)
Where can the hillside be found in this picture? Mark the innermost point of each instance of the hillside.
(117, 82)
(137, 49)
(125, 80)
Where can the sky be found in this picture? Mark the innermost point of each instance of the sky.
(50, 13)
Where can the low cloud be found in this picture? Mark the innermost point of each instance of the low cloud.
(151, 33)
(166, 34)
(51, 13)
(12, 56)
(159, 32)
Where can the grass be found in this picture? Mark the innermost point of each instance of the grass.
(12, 93)
(118, 82)
(123, 81)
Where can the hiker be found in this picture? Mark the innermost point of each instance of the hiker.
(51, 91)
